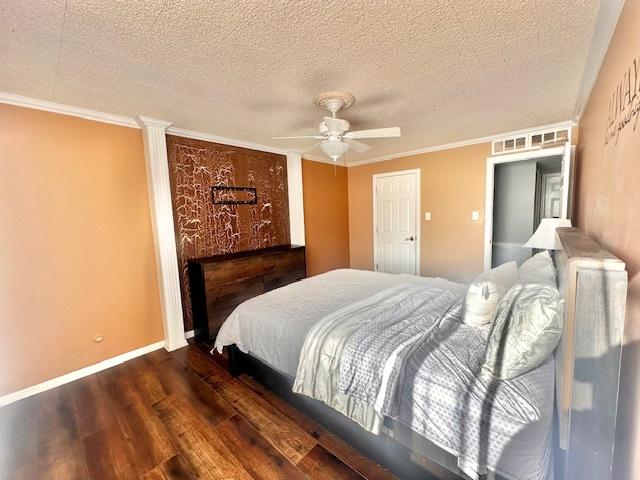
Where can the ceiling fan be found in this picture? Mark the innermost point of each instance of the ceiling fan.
(334, 132)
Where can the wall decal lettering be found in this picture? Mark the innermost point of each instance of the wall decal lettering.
(624, 103)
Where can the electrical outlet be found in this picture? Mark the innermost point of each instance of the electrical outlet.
(475, 215)
(427, 216)
(98, 338)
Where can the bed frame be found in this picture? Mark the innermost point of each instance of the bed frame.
(391, 454)
(593, 283)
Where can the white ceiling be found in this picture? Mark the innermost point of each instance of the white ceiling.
(443, 71)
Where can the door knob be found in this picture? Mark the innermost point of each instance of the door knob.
(410, 239)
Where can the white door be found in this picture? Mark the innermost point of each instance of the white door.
(551, 195)
(396, 227)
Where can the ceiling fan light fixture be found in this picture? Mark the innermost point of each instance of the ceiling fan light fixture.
(334, 149)
(335, 134)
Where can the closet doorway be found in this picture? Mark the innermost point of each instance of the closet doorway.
(521, 189)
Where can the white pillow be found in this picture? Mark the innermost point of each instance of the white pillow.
(538, 269)
(526, 330)
(485, 292)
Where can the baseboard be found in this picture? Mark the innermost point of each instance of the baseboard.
(189, 334)
(77, 374)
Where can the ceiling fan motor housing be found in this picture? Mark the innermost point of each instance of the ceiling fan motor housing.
(333, 127)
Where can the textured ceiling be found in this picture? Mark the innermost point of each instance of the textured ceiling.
(443, 71)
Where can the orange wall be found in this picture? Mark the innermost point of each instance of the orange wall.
(326, 216)
(76, 246)
(608, 208)
(453, 185)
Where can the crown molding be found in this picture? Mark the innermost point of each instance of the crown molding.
(207, 137)
(463, 143)
(28, 102)
(143, 121)
(606, 22)
(87, 114)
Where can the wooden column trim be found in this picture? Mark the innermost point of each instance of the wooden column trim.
(159, 188)
(296, 198)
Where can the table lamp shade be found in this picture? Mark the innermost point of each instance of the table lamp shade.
(545, 237)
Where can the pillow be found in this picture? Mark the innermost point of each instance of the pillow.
(538, 269)
(485, 292)
(526, 330)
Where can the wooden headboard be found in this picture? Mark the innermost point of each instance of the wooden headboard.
(220, 283)
(593, 283)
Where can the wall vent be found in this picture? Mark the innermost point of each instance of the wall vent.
(531, 140)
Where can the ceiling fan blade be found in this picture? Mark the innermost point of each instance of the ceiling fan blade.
(374, 133)
(357, 146)
(311, 147)
(301, 136)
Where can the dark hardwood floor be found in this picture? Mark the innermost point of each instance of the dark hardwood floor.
(169, 416)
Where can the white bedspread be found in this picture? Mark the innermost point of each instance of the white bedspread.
(273, 326)
(403, 353)
(502, 425)
(365, 398)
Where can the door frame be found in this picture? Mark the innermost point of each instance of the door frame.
(543, 189)
(492, 161)
(417, 173)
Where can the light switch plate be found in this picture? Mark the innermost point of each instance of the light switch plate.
(427, 216)
(475, 215)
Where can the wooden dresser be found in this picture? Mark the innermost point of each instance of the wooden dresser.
(220, 283)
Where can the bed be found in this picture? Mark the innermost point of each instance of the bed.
(443, 369)
(443, 409)
(273, 326)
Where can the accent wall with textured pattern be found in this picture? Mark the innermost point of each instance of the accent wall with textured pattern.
(203, 228)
